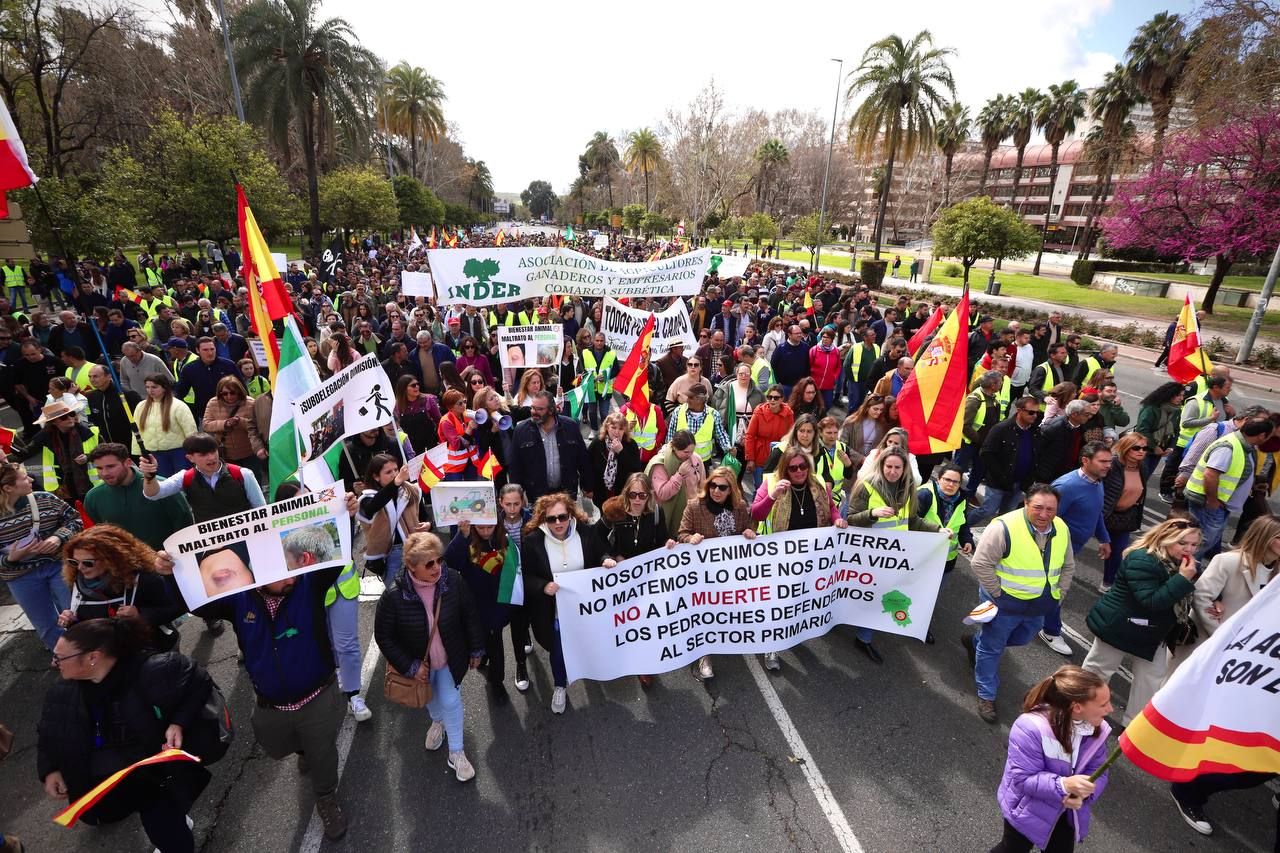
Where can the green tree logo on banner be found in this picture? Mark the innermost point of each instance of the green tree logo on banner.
(483, 271)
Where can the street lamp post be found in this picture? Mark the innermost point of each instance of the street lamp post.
(826, 175)
(231, 62)
(1259, 312)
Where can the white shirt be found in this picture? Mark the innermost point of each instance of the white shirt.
(1023, 365)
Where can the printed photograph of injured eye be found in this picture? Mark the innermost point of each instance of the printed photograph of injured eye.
(225, 569)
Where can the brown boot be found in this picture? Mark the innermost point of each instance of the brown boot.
(987, 710)
(335, 822)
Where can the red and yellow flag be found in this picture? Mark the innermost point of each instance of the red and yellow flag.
(431, 241)
(922, 334)
(15, 171)
(632, 380)
(7, 437)
(501, 238)
(931, 404)
(808, 303)
(656, 256)
(1187, 359)
(452, 240)
(1217, 712)
(488, 465)
(72, 813)
(268, 299)
(131, 295)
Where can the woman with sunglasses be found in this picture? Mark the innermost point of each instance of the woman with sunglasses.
(456, 429)
(472, 383)
(228, 417)
(557, 539)
(1135, 617)
(886, 500)
(417, 413)
(1124, 491)
(117, 703)
(769, 424)
(678, 390)
(471, 357)
(110, 573)
(803, 434)
(429, 629)
(791, 497)
(614, 457)
(719, 510)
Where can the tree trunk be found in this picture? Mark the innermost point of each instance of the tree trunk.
(413, 152)
(1102, 201)
(884, 203)
(986, 169)
(1104, 175)
(646, 189)
(313, 174)
(1160, 120)
(1221, 267)
(1017, 179)
(946, 187)
(1044, 232)
(968, 265)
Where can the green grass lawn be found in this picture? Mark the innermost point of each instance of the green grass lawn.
(1237, 282)
(1224, 319)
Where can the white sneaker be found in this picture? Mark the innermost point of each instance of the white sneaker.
(528, 648)
(559, 698)
(435, 735)
(771, 662)
(461, 767)
(1058, 644)
(359, 709)
(1104, 587)
(704, 670)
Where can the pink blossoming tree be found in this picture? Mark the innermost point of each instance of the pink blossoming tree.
(1217, 196)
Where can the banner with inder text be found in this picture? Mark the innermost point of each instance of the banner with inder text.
(246, 550)
(488, 276)
(667, 608)
(622, 326)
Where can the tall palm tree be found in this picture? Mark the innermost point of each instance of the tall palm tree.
(302, 71)
(1110, 105)
(1061, 108)
(602, 158)
(771, 154)
(953, 131)
(906, 86)
(1157, 61)
(479, 184)
(578, 192)
(993, 127)
(1022, 120)
(644, 152)
(412, 107)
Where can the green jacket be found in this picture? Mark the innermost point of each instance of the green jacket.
(1160, 424)
(1146, 590)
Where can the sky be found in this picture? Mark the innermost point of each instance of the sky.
(528, 83)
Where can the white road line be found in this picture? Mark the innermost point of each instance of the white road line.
(826, 799)
(314, 835)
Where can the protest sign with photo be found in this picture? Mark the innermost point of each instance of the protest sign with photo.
(473, 500)
(530, 346)
(356, 399)
(239, 552)
(488, 276)
(667, 608)
(622, 325)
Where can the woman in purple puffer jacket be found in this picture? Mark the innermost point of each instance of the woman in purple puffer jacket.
(1060, 739)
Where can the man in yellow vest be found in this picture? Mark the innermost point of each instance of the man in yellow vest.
(15, 284)
(856, 372)
(601, 361)
(64, 445)
(1023, 563)
(77, 368)
(1048, 374)
(709, 437)
(1104, 360)
(761, 376)
(1197, 413)
(1222, 481)
(981, 413)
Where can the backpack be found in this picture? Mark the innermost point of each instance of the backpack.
(189, 475)
(210, 739)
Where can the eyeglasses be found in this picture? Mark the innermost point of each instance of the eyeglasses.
(635, 496)
(81, 564)
(559, 518)
(774, 397)
(428, 563)
(954, 481)
(694, 364)
(718, 487)
(58, 660)
(797, 467)
(1142, 448)
(413, 385)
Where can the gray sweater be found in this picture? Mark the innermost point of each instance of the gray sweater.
(133, 377)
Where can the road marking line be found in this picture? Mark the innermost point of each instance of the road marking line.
(826, 799)
(314, 835)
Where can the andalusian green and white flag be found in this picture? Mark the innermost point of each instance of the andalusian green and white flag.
(579, 397)
(568, 234)
(297, 376)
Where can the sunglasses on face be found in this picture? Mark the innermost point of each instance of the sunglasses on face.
(774, 397)
(477, 381)
(559, 518)
(635, 496)
(1141, 448)
(718, 487)
(81, 564)
(428, 563)
(797, 467)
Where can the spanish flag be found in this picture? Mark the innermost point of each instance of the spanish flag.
(438, 461)
(15, 171)
(501, 238)
(488, 465)
(268, 300)
(922, 334)
(1187, 359)
(432, 243)
(931, 403)
(1217, 712)
(632, 380)
(72, 813)
(808, 303)
(7, 437)
(130, 295)
(452, 240)
(657, 255)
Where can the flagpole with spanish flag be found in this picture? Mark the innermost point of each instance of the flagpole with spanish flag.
(931, 402)
(1187, 357)
(15, 171)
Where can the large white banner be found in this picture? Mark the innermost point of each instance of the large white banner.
(733, 595)
(730, 266)
(488, 276)
(353, 400)
(239, 552)
(623, 324)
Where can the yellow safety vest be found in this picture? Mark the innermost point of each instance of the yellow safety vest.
(1091, 366)
(893, 522)
(704, 439)
(954, 523)
(1024, 569)
(49, 465)
(80, 376)
(1228, 480)
(1048, 383)
(857, 354)
(757, 367)
(348, 583)
(1188, 433)
(1005, 396)
(258, 386)
(494, 320)
(528, 318)
(831, 468)
(1199, 386)
(646, 434)
(153, 277)
(190, 397)
(980, 419)
(601, 372)
(13, 277)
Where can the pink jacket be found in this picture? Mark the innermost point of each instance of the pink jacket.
(824, 367)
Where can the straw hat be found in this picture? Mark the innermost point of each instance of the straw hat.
(53, 411)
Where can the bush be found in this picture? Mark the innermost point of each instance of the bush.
(1216, 345)
(1151, 339)
(873, 272)
(952, 270)
(1082, 271)
(1126, 334)
(1268, 357)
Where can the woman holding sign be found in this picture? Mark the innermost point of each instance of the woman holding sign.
(720, 510)
(793, 498)
(556, 539)
(389, 515)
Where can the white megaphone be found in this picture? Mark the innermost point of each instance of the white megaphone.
(504, 422)
(480, 416)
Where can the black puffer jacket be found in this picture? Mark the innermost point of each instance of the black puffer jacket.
(402, 625)
(626, 537)
(138, 700)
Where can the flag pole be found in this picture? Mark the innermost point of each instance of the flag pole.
(1111, 759)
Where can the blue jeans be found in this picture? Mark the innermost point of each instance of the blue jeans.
(995, 502)
(170, 462)
(344, 632)
(446, 706)
(1110, 566)
(559, 675)
(43, 595)
(395, 559)
(19, 294)
(598, 411)
(856, 394)
(1007, 629)
(827, 398)
(1212, 524)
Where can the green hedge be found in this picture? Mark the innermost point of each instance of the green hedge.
(1082, 271)
(873, 271)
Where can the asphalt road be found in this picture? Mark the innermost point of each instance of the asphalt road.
(832, 754)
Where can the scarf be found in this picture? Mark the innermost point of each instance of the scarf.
(947, 505)
(722, 517)
(489, 560)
